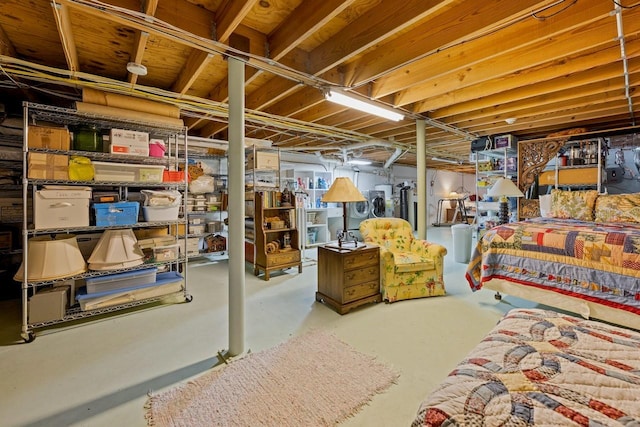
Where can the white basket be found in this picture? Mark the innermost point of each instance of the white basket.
(160, 213)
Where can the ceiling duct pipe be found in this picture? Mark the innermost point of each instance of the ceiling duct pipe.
(393, 158)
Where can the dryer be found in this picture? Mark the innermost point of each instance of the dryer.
(377, 204)
(357, 212)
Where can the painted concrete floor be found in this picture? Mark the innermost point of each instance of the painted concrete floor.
(99, 373)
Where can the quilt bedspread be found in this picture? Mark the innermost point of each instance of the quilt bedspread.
(594, 261)
(542, 368)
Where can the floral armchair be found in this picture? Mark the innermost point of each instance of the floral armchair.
(409, 267)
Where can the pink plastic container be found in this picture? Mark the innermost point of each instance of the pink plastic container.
(156, 149)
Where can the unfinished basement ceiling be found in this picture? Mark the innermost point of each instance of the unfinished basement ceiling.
(463, 66)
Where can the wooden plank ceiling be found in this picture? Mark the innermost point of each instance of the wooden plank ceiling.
(462, 66)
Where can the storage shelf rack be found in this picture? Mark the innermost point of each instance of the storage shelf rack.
(177, 142)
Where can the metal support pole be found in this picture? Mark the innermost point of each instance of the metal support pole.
(421, 154)
(236, 208)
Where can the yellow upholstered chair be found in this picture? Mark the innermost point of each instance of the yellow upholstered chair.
(409, 267)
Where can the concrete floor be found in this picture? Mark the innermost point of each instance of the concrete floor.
(99, 373)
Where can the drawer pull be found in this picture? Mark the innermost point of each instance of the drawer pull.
(351, 292)
(351, 276)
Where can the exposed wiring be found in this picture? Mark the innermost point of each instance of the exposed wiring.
(542, 18)
(633, 6)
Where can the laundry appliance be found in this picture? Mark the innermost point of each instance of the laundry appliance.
(356, 213)
(377, 204)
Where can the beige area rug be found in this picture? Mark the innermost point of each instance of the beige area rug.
(311, 380)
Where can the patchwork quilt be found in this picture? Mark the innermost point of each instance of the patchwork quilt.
(593, 261)
(542, 368)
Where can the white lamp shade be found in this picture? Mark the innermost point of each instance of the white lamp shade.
(51, 258)
(504, 187)
(116, 249)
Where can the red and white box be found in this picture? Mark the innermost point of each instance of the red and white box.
(122, 141)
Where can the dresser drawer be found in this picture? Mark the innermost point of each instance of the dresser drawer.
(282, 258)
(362, 290)
(364, 274)
(360, 259)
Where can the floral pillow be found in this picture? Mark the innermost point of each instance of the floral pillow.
(573, 204)
(618, 208)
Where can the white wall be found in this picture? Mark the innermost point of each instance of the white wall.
(439, 183)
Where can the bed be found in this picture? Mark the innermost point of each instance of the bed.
(539, 367)
(585, 267)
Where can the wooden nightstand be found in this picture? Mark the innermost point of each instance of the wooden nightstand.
(348, 278)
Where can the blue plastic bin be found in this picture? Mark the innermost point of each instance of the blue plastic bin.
(120, 213)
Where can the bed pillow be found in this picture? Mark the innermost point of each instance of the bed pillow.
(618, 208)
(545, 205)
(573, 204)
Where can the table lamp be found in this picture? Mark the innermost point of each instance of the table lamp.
(504, 188)
(343, 191)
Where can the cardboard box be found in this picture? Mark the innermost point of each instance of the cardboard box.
(122, 141)
(71, 286)
(577, 176)
(263, 160)
(6, 241)
(49, 137)
(48, 166)
(48, 304)
(61, 206)
(147, 233)
(11, 209)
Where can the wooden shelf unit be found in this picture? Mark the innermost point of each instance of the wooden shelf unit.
(267, 205)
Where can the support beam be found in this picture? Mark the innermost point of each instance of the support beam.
(421, 164)
(236, 208)
(61, 14)
(196, 63)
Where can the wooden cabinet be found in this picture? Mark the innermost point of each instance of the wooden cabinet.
(275, 236)
(348, 279)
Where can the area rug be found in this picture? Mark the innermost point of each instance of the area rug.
(310, 380)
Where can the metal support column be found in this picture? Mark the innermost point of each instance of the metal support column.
(236, 208)
(421, 154)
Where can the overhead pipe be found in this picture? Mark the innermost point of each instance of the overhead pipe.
(392, 159)
(625, 62)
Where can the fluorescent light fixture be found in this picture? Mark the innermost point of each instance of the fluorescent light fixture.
(137, 69)
(359, 162)
(438, 159)
(353, 101)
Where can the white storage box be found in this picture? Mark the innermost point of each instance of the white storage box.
(165, 253)
(61, 206)
(131, 142)
(189, 246)
(160, 213)
(196, 229)
(125, 172)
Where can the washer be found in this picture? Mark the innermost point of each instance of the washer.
(377, 204)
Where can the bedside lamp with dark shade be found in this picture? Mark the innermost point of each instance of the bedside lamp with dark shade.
(343, 191)
(504, 188)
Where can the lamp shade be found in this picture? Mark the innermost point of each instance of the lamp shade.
(116, 249)
(343, 190)
(504, 187)
(52, 258)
